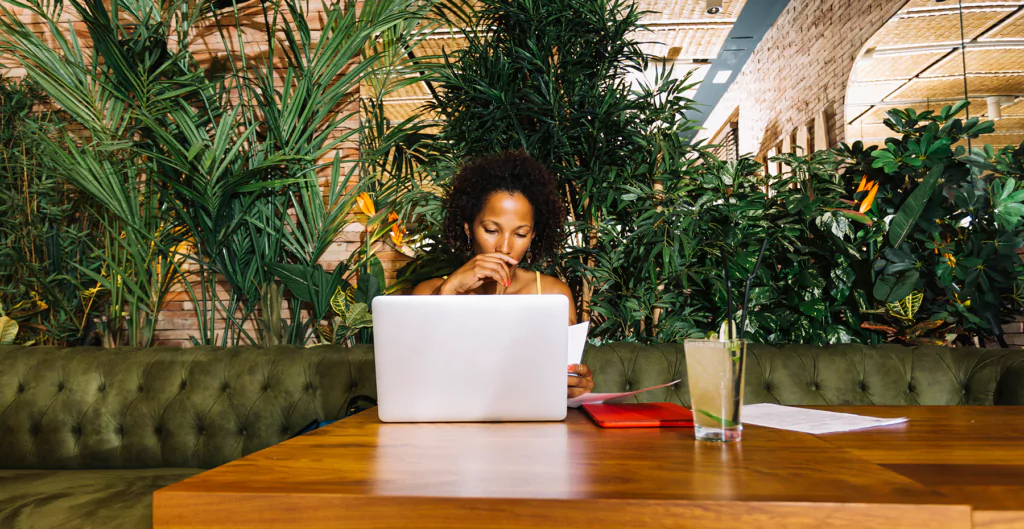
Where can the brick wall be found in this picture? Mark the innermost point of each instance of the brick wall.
(800, 69)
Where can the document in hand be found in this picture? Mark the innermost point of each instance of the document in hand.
(577, 341)
(610, 397)
(809, 421)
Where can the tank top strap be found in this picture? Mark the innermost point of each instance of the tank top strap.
(538, 280)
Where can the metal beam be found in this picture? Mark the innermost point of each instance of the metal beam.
(754, 21)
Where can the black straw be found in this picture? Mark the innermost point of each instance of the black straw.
(746, 289)
(728, 298)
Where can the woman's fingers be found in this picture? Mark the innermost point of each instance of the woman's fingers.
(494, 269)
(581, 370)
(572, 393)
(502, 257)
(581, 384)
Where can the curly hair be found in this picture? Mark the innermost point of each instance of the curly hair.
(513, 172)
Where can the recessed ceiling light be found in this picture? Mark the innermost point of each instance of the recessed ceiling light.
(721, 77)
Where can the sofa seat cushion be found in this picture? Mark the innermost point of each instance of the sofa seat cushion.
(43, 499)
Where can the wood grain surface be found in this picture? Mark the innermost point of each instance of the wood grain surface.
(362, 473)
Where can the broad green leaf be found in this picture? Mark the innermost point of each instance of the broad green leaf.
(814, 308)
(893, 288)
(358, 316)
(911, 209)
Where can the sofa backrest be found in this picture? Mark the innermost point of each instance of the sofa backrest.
(836, 375)
(202, 407)
(167, 407)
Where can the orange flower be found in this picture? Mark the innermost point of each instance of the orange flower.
(950, 259)
(863, 184)
(366, 204)
(869, 200)
(397, 230)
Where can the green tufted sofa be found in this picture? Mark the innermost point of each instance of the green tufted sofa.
(86, 435)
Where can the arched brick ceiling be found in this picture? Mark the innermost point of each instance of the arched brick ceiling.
(915, 61)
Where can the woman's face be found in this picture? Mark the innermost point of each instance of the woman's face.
(504, 225)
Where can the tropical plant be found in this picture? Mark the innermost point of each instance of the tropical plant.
(217, 168)
(806, 288)
(952, 220)
(901, 325)
(96, 92)
(651, 215)
(555, 79)
(45, 225)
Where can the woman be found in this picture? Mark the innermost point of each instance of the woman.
(503, 209)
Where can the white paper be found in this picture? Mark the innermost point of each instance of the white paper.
(809, 421)
(591, 398)
(577, 341)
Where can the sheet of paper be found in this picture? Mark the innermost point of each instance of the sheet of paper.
(610, 397)
(809, 421)
(577, 341)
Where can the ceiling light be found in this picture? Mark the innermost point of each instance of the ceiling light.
(721, 77)
(995, 106)
(713, 7)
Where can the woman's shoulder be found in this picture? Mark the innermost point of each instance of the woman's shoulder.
(553, 285)
(428, 286)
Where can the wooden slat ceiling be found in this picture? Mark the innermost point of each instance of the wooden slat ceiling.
(678, 30)
(914, 61)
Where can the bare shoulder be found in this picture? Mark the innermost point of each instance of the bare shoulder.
(553, 285)
(428, 287)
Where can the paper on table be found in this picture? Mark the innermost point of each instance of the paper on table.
(591, 398)
(809, 421)
(577, 341)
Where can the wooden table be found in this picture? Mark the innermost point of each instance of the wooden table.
(949, 467)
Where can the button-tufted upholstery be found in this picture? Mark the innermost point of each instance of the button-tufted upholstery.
(166, 407)
(835, 375)
(87, 434)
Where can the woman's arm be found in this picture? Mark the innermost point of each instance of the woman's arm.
(429, 287)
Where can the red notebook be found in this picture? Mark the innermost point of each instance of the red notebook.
(647, 415)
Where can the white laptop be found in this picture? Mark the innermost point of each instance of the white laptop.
(470, 358)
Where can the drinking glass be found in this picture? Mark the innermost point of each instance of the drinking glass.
(715, 371)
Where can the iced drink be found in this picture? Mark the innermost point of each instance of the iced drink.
(715, 372)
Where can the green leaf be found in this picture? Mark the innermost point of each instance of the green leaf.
(854, 215)
(814, 308)
(358, 316)
(895, 288)
(367, 288)
(909, 212)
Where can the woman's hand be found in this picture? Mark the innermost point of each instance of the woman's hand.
(480, 269)
(582, 383)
